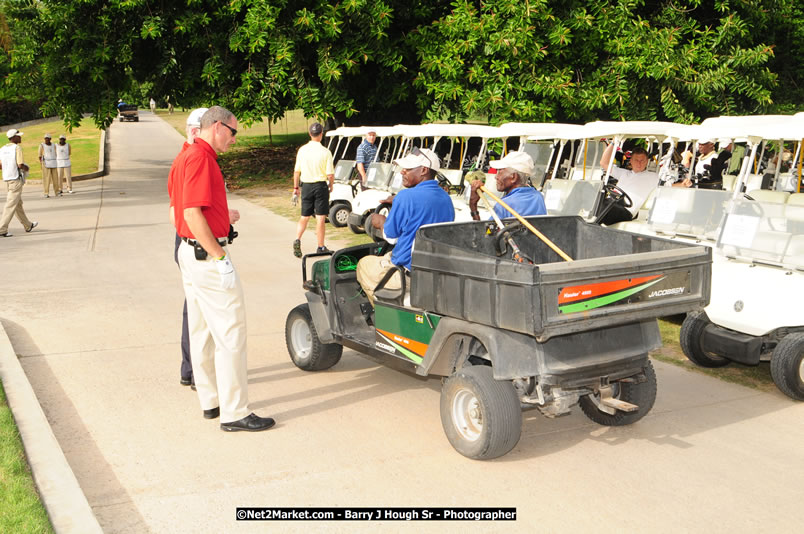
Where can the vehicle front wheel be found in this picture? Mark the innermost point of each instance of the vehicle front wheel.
(787, 365)
(692, 330)
(338, 214)
(304, 347)
(643, 394)
(355, 228)
(481, 416)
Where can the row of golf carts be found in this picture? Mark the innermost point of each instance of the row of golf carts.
(573, 324)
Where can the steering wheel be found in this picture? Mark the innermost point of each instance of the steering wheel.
(617, 195)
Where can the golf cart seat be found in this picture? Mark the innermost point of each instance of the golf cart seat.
(764, 195)
(401, 297)
(729, 181)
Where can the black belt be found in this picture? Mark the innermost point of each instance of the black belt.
(221, 241)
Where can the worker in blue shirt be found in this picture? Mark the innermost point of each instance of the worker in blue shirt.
(421, 202)
(512, 179)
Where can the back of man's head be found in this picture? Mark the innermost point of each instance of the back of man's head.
(316, 129)
(215, 114)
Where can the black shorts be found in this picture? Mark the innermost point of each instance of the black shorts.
(314, 198)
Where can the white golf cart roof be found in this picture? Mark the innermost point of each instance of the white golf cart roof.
(628, 129)
(561, 131)
(359, 131)
(538, 131)
(452, 130)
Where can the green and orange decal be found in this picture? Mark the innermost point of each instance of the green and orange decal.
(402, 332)
(585, 297)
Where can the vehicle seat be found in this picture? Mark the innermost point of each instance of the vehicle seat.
(729, 181)
(765, 195)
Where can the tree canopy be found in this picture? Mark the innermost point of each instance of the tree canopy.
(390, 61)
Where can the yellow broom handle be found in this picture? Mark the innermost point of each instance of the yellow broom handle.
(527, 225)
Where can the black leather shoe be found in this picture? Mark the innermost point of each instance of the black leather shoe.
(250, 423)
(186, 381)
(214, 413)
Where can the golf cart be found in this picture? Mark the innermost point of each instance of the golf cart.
(506, 335)
(347, 179)
(758, 274)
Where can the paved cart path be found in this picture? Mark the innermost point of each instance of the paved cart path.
(91, 301)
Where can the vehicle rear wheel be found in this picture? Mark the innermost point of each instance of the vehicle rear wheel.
(787, 365)
(690, 338)
(304, 347)
(481, 416)
(355, 228)
(643, 394)
(338, 214)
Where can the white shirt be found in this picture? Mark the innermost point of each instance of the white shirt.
(8, 158)
(637, 185)
(704, 160)
(63, 155)
(48, 153)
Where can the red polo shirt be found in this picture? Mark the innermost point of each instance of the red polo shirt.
(195, 180)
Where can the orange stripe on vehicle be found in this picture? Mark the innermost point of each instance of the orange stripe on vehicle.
(588, 291)
(415, 346)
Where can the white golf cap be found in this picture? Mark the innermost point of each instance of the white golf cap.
(62, 136)
(423, 157)
(724, 141)
(12, 132)
(194, 118)
(48, 136)
(706, 141)
(517, 160)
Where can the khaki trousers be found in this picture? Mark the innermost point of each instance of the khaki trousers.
(371, 269)
(50, 176)
(13, 206)
(216, 318)
(66, 173)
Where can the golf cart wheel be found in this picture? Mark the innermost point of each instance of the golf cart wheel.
(692, 330)
(304, 347)
(338, 214)
(643, 394)
(355, 228)
(481, 416)
(787, 365)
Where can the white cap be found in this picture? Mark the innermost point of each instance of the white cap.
(48, 136)
(724, 141)
(423, 158)
(62, 136)
(517, 160)
(12, 132)
(194, 118)
(706, 141)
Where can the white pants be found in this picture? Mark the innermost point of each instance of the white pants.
(216, 318)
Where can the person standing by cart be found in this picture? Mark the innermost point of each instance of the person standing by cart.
(216, 309)
(366, 153)
(63, 163)
(316, 173)
(512, 179)
(14, 170)
(47, 158)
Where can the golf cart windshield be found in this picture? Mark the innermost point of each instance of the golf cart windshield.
(694, 213)
(764, 232)
(379, 175)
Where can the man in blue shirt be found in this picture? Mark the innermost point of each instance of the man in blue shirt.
(512, 179)
(365, 156)
(421, 202)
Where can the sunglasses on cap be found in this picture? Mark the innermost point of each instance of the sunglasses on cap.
(416, 152)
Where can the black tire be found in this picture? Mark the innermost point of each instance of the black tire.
(787, 365)
(356, 229)
(643, 394)
(304, 347)
(692, 330)
(338, 214)
(482, 417)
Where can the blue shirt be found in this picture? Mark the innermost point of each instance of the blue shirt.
(426, 203)
(365, 153)
(526, 201)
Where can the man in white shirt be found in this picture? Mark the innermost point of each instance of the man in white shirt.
(47, 157)
(637, 184)
(63, 164)
(14, 170)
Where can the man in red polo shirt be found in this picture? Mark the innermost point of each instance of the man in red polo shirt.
(216, 310)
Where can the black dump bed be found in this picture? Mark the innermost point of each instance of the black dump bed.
(616, 277)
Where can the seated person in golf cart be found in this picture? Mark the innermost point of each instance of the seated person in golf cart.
(710, 166)
(421, 202)
(637, 183)
(512, 179)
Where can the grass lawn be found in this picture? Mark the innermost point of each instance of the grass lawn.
(84, 140)
(20, 507)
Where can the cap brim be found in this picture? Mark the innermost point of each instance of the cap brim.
(409, 162)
